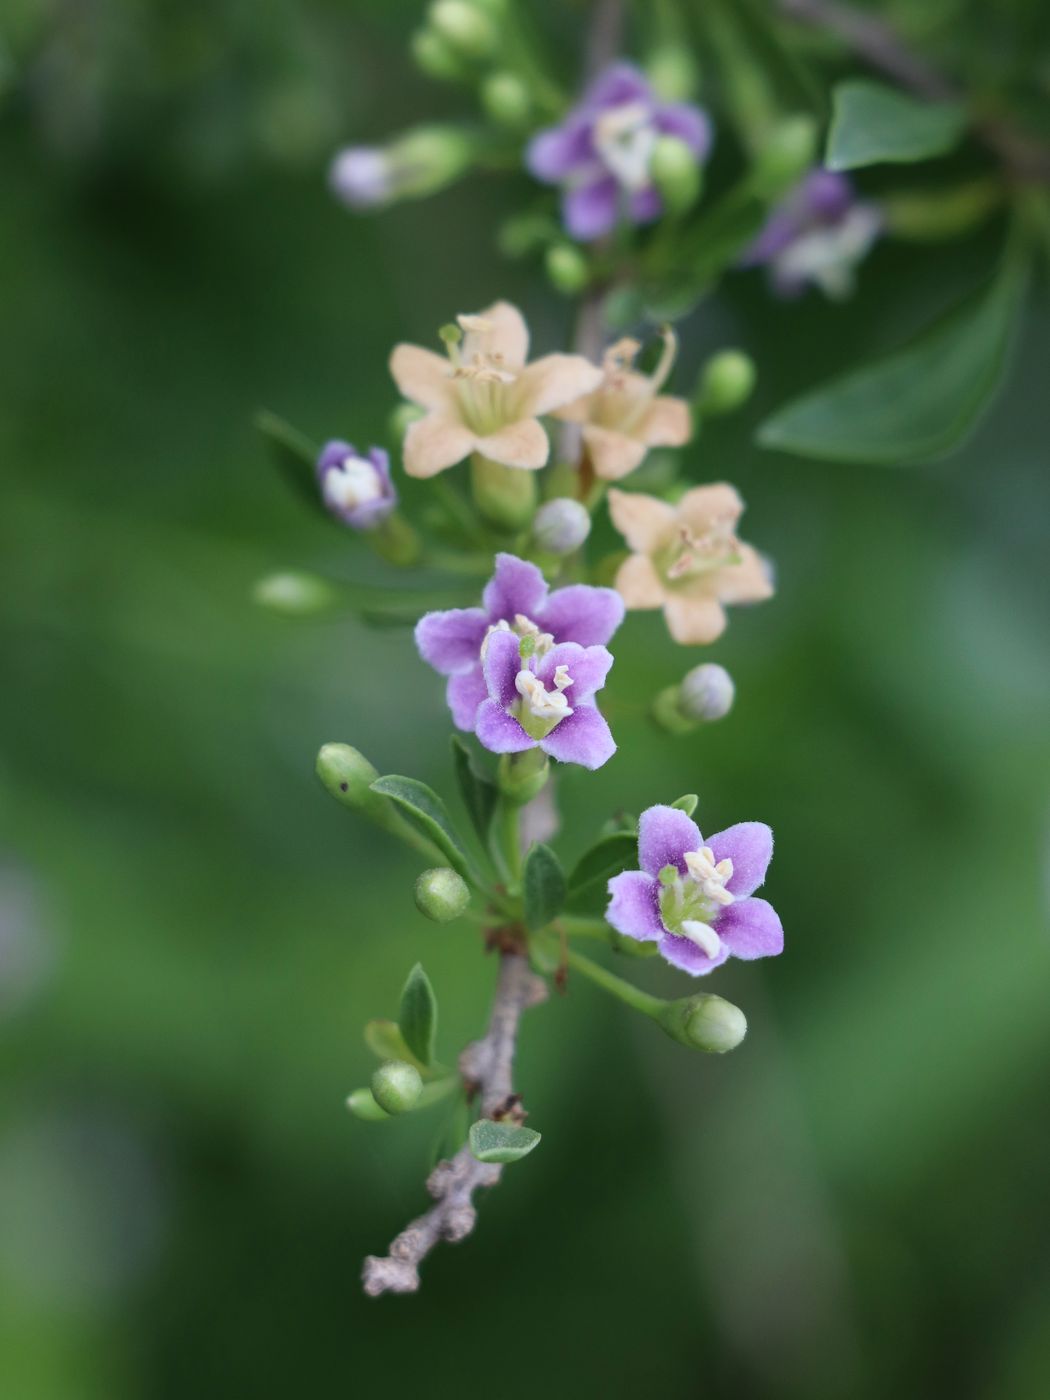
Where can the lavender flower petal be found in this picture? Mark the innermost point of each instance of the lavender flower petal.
(751, 928)
(500, 732)
(633, 909)
(501, 666)
(515, 587)
(749, 845)
(645, 205)
(451, 641)
(580, 613)
(554, 154)
(688, 123)
(583, 737)
(464, 694)
(664, 835)
(588, 667)
(684, 953)
(590, 210)
(619, 84)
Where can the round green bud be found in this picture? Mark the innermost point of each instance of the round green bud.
(561, 526)
(705, 1022)
(362, 1104)
(293, 594)
(506, 99)
(788, 152)
(673, 72)
(348, 776)
(726, 382)
(435, 57)
(464, 26)
(396, 1086)
(675, 172)
(428, 158)
(441, 894)
(521, 776)
(567, 268)
(706, 692)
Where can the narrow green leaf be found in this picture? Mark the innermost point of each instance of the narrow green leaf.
(385, 1041)
(295, 455)
(479, 793)
(687, 803)
(427, 811)
(543, 886)
(501, 1142)
(915, 405)
(417, 1016)
(362, 1104)
(872, 124)
(596, 867)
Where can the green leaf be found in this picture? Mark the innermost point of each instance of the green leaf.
(606, 858)
(543, 886)
(385, 1041)
(917, 404)
(686, 804)
(295, 456)
(417, 1016)
(501, 1142)
(872, 124)
(427, 811)
(479, 793)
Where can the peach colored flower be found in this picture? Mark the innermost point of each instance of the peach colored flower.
(687, 559)
(483, 397)
(627, 414)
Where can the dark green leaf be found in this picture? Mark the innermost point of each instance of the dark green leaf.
(417, 1017)
(687, 804)
(295, 456)
(872, 124)
(501, 1142)
(543, 884)
(426, 810)
(915, 405)
(479, 793)
(595, 868)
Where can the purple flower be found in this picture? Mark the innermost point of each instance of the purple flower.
(517, 602)
(544, 701)
(357, 490)
(600, 153)
(696, 900)
(817, 234)
(362, 177)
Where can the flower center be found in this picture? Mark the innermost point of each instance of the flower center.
(691, 903)
(534, 642)
(540, 709)
(482, 376)
(624, 138)
(625, 395)
(354, 482)
(692, 555)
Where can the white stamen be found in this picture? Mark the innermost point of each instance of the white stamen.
(543, 703)
(562, 679)
(624, 137)
(711, 878)
(523, 627)
(703, 935)
(354, 482)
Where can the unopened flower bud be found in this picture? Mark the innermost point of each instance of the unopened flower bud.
(362, 177)
(362, 1104)
(567, 268)
(348, 776)
(356, 489)
(397, 1085)
(706, 692)
(561, 526)
(520, 776)
(418, 163)
(673, 72)
(294, 594)
(787, 153)
(675, 171)
(435, 57)
(726, 382)
(507, 99)
(464, 26)
(705, 1022)
(504, 495)
(441, 894)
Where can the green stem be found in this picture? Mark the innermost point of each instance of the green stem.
(616, 986)
(578, 927)
(509, 840)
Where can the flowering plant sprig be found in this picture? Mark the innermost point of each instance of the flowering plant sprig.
(502, 464)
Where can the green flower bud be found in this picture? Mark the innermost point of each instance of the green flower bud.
(521, 776)
(396, 541)
(673, 72)
(567, 268)
(726, 382)
(441, 894)
(463, 26)
(429, 158)
(347, 775)
(668, 714)
(787, 153)
(504, 495)
(507, 99)
(675, 172)
(704, 1022)
(435, 57)
(294, 595)
(561, 526)
(362, 1104)
(396, 1086)
(706, 693)
(402, 419)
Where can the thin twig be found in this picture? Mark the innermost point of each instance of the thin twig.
(486, 1067)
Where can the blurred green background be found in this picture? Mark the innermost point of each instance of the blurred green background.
(192, 934)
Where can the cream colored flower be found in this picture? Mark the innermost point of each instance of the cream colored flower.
(627, 414)
(483, 397)
(687, 559)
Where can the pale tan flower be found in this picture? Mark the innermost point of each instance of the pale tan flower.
(483, 397)
(627, 414)
(687, 559)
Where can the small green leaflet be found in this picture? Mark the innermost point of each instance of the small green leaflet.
(385, 1040)
(479, 794)
(596, 867)
(501, 1142)
(872, 124)
(417, 1017)
(917, 404)
(426, 810)
(295, 456)
(543, 885)
(687, 803)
